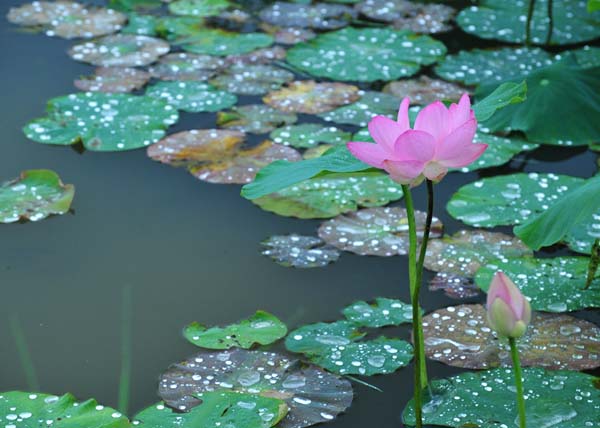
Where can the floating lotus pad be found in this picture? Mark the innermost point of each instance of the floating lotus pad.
(262, 328)
(552, 284)
(35, 195)
(255, 118)
(113, 80)
(67, 19)
(134, 5)
(454, 286)
(311, 394)
(362, 111)
(218, 408)
(217, 155)
(252, 79)
(332, 194)
(288, 35)
(498, 20)
(26, 409)
(375, 231)
(175, 28)
(467, 250)
(366, 54)
(309, 135)
(460, 336)
(406, 15)
(184, 66)
(199, 8)
(320, 16)
(311, 97)
(382, 313)
(487, 399)
(192, 96)
(508, 199)
(258, 56)
(319, 337)
(121, 50)
(424, 90)
(103, 122)
(222, 43)
(141, 25)
(299, 251)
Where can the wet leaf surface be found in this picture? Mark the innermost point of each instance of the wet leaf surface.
(103, 122)
(311, 97)
(460, 336)
(254, 118)
(259, 56)
(262, 328)
(255, 79)
(26, 409)
(218, 408)
(35, 195)
(362, 111)
(508, 199)
(192, 96)
(218, 156)
(381, 313)
(466, 251)
(332, 194)
(454, 286)
(223, 43)
(406, 15)
(424, 90)
(581, 237)
(312, 395)
(141, 25)
(487, 399)
(320, 16)
(185, 66)
(552, 284)
(121, 50)
(299, 251)
(199, 8)
(309, 135)
(374, 231)
(113, 80)
(288, 35)
(67, 19)
(366, 54)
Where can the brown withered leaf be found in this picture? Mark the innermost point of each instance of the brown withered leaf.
(310, 97)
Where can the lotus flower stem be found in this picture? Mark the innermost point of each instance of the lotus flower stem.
(550, 22)
(528, 23)
(514, 352)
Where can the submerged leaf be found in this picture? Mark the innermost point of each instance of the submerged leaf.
(113, 79)
(460, 336)
(254, 118)
(299, 251)
(311, 394)
(383, 312)
(35, 195)
(374, 231)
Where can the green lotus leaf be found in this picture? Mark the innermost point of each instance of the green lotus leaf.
(222, 43)
(320, 16)
(299, 251)
(254, 118)
(362, 111)
(255, 79)
(309, 135)
(192, 97)
(200, 8)
(383, 312)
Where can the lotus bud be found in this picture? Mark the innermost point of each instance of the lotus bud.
(508, 311)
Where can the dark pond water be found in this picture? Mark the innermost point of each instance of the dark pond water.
(188, 250)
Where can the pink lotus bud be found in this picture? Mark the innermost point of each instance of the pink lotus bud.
(508, 311)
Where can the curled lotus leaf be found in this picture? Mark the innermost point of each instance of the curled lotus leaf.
(362, 111)
(255, 118)
(113, 80)
(424, 90)
(311, 97)
(311, 394)
(454, 286)
(288, 35)
(365, 54)
(262, 328)
(120, 50)
(192, 96)
(460, 336)
(375, 231)
(558, 398)
(255, 79)
(310, 135)
(199, 8)
(35, 195)
(67, 19)
(299, 251)
(183, 66)
(103, 122)
(332, 194)
(217, 156)
(222, 43)
(258, 56)
(381, 313)
(467, 250)
(425, 18)
(507, 199)
(554, 284)
(26, 409)
(581, 237)
(320, 16)
(218, 408)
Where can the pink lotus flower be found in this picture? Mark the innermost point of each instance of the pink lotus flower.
(442, 138)
(508, 311)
